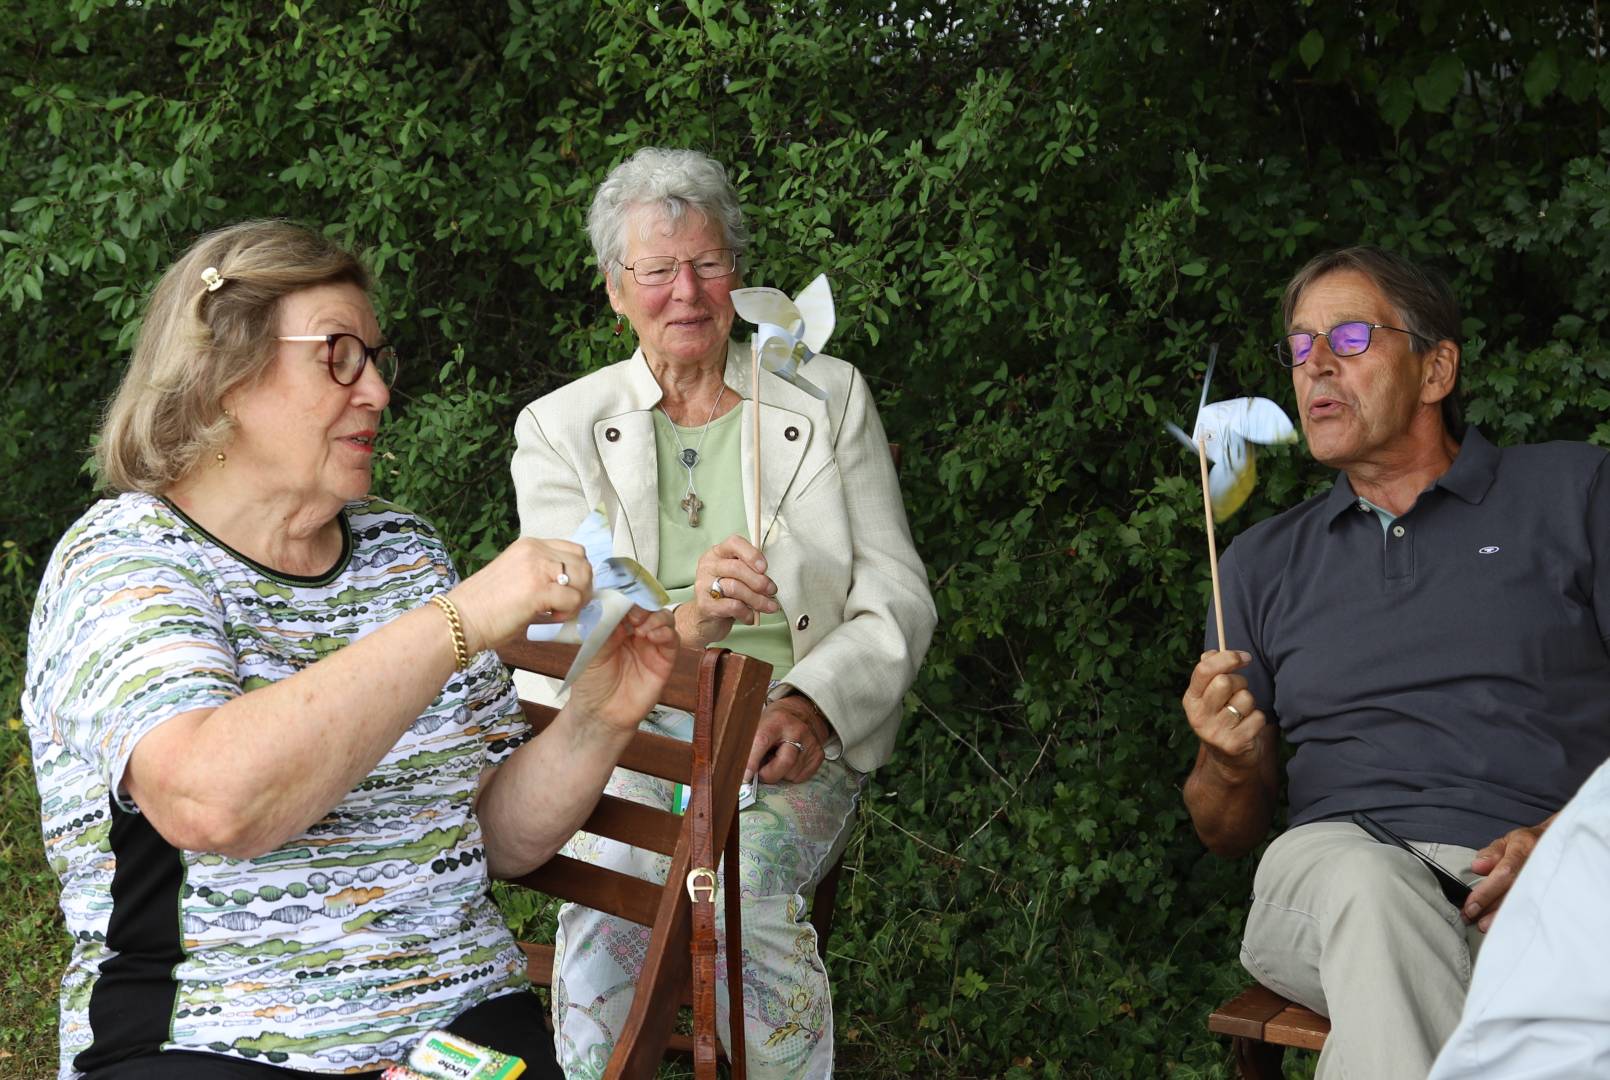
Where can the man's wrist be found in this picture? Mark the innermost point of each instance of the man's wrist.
(1232, 771)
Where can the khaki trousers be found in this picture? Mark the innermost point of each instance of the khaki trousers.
(1358, 931)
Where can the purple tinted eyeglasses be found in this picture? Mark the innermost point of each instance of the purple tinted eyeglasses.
(1346, 339)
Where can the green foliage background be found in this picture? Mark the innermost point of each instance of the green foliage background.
(1036, 216)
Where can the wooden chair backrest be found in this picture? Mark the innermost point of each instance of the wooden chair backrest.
(740, 694)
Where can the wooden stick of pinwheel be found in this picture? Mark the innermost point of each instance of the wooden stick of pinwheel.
(789, 333)
(1213, 544)
(754, 376)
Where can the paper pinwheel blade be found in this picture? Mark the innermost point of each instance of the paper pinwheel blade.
(1252, 419)
(619, 584)
(1227, 429)
(783, 357)
(789, 332)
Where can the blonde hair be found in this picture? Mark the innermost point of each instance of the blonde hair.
(196, 345)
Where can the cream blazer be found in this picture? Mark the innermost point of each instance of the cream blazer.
(837, 543)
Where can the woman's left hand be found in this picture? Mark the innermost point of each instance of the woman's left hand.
(788, 743)
(625, 678)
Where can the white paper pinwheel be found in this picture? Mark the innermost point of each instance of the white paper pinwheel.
(789, 332)
(619, 584)
(1226, 429)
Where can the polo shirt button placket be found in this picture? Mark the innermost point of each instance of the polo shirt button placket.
(1400, 555)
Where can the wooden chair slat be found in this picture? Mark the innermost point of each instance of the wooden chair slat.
(595, 886)
(635, 824)
(656, 755)
(538, 716)
(1247, 1013)
(1299, 1027)
(553, 658)
(538, 962)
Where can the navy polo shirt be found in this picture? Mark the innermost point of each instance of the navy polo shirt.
(1452, 675)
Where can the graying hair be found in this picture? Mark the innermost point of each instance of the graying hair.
(1422, 296)
(674, 182)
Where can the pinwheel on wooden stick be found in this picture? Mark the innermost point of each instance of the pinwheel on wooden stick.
(1223, 434)
(619, 584)
(787, 334)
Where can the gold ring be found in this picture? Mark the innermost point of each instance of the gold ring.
(1235, 712)
(715, 590)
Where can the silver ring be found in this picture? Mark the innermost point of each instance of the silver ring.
(715, 590)
(796, 745)
(1235, 712)
(563, 578)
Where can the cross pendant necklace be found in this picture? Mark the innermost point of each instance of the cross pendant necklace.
(689, 458)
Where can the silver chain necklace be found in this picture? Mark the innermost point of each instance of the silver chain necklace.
(690, 458)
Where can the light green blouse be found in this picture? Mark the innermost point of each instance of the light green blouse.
(719, 479)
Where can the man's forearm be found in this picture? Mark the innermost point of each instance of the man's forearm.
(1232, 806)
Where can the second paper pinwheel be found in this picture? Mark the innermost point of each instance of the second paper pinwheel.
(789, 332)
(1226, 429)
(619, 584)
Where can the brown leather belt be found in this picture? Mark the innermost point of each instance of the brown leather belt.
(702, 889)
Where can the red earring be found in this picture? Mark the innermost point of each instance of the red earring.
(620, 323)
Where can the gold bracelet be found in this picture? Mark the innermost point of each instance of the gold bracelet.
(461, 653)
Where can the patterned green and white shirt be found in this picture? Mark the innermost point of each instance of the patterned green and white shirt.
(331, 953)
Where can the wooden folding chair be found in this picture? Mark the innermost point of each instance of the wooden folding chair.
(726, 692)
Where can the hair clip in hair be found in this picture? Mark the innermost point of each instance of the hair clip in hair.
(213, 278)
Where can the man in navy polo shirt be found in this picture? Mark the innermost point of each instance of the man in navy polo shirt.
(1430, 638)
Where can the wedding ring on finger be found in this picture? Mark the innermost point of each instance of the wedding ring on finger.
(563, 578)
(715, 590)
(799, 746)
(1235, 712)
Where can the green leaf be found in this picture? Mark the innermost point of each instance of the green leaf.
(1194, 269)
(1396, 100)
(1436, 89)
(1542, 76)
(1311, 48)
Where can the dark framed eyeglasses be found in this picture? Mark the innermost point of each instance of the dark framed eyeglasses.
(662, 269)
(1346, 339)
(346, 354)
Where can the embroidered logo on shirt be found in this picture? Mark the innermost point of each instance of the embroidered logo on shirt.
(1490, 549)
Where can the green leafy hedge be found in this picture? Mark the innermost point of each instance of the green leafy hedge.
(1036, 216)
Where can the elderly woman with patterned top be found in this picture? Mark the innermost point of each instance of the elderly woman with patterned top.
(835, 598)
(276, 764)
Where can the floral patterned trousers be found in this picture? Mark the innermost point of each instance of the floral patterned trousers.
(787, 841)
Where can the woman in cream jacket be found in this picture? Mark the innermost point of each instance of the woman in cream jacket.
(835, 597)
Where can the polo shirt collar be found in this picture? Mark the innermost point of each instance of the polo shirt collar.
(1473, 470)
(1469, 477)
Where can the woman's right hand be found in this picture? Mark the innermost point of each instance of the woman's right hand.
(746, 593)
(520, 587)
